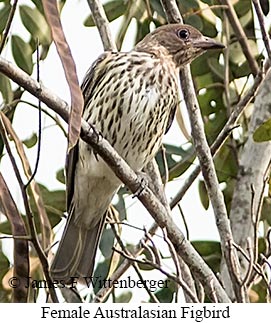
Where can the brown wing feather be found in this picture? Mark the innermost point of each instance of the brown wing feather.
(90, 80)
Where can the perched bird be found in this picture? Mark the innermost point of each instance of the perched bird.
(131, 99)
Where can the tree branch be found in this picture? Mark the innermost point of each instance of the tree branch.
(266, 38)
(127, 176)
(241, 36)
(223, 135)
(102, 24)
(207, 164)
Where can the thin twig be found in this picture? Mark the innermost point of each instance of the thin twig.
(154, 251)
(168, 275)
(104, 292)
(135, 266)
(164, 158)
(39, 125)
(8, 25)
(206, 163)
(241, 36)
(223, 135)
(266, 38)
(102, 24)
(184, 221)
(256, 267)
(33, 231)
(173, 254)
(251, 262)
(54, 118)
(126, 175)
(227, 65)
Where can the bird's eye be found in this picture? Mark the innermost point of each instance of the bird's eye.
(183, 34)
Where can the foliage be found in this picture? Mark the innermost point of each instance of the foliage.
(217, 100)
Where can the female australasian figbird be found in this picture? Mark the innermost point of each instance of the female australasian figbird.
(131, 98)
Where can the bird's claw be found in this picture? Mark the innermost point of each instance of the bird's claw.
(96, 132)
(143, 184)
(98, 135)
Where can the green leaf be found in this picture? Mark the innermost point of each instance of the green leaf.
(31, 141)
(4, 13)
(263, 132)
(4, 266)
(165, 295)
(236, 53)
(22, 53)
(203, 195)
(176, 168)
(39, 6)
(113, 9)
(156, 6)
(216, 68)
(188, 4)
(60, 176)
(211, 253)
(242, 7)
(36, 24)
(148, 256)
(265, 5)
(107, 242)
(54, 203)
(124, 297)
(101, 273)
(5, 89)
(195, 21)
(226, 163)
(120, 205)
(143, 28)
(266, 210)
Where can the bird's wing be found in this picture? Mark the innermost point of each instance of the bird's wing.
(91, 79)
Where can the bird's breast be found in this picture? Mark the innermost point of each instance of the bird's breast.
(131, 107)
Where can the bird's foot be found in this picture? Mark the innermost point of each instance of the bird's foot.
(144, 180)
(96, 132)
(98, 135)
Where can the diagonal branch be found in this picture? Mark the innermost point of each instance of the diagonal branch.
(207, 165)
(122, 170)
(241, 36)
(223, 135)
(102, 24)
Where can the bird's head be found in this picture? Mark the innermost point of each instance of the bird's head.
(182, 43)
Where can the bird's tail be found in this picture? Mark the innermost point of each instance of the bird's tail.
(76, 253)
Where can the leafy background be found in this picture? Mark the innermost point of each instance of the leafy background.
(139, 17)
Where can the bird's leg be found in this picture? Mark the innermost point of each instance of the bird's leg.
(96, 132)
(98, 135)
(144, 181)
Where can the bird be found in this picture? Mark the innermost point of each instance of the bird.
(131, 99)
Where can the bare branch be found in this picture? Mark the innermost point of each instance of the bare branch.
(241, 36)
(134, 264)
(102, 24)
(223, 135)
(127, 176)
(20, 249)
(32, 228)
(168, 275)
(8, 25)
(266, 38)
(251, 261)
(206, 161)
(45, 223)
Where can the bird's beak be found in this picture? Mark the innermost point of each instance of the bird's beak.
(207, 43)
